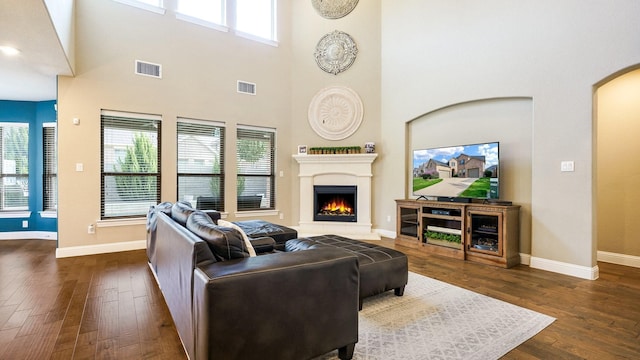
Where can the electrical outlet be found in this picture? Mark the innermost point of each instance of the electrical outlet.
(25, 224)
(91, 229)
(281, 216)
(388, 218)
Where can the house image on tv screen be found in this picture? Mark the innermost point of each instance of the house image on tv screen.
(457, 171)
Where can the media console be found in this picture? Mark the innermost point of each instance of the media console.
(485, 233)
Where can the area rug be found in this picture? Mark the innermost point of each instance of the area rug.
(436, 320)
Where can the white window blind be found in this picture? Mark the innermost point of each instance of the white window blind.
(201, 163)
(130, 165)
(255, 157)
(50, 167)
(14, 167)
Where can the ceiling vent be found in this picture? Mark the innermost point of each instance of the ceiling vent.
(148, 69)
(246, 87)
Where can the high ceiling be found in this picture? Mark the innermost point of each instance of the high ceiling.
(30, 75)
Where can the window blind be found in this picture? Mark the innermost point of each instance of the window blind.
(255, 154)
(130, 164)
(14, 167)
(201, 163)
(50, 167)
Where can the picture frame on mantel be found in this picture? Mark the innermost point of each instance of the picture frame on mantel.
(302, 149)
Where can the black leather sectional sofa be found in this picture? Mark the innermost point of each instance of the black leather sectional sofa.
(228, 305)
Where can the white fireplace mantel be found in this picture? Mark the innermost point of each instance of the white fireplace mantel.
(338, 169)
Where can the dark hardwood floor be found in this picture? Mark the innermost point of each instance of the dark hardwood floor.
(109, 306)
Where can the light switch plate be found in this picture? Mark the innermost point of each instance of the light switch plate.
(566, 166)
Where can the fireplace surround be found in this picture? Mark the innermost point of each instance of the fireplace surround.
(336, 170)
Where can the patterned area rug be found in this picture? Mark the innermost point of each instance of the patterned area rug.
(436, 320)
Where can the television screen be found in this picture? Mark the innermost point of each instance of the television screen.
(468, 171)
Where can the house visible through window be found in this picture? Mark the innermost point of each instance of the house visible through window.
(50, 167)
(130, 166)
(14, 167)
(255, 154)
(201, 163)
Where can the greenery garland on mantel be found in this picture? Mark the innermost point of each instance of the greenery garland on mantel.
(335, 150)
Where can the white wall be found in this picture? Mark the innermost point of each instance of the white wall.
(438, 53)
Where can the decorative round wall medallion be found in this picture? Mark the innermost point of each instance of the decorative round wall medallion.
(335, 52)
(334, 9)
(335, 113)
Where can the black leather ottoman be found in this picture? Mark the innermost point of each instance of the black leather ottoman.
(261, 228)
(381, 268)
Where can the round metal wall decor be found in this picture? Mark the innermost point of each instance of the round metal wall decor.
(334, 9)
(335, 113)
(335, 52)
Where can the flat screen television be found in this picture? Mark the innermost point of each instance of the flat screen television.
(465, 171)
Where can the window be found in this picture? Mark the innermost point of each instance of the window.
(14, 167)
(50, 167)
(201, 163)
(130, 165)
(255, 154)
(257, 18)
(254, 19)
(150, 5)
(210, 11)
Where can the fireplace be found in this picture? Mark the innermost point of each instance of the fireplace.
(336, 170)
(335, 203)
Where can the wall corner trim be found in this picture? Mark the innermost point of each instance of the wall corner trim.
(100, 248)
(583, 272)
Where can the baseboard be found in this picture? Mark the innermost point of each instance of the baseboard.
(525, 259)
(583, 272)
(386, 233)
(100, 248)
(29, 235)
(619, 259)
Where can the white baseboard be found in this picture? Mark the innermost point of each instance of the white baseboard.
(29, 235)
(100, 248)
(385, 233)
(619, 259)
(525, 259)
(583, 272)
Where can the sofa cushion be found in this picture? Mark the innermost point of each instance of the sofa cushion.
(225, 242)
(250, 249)
(180, 212)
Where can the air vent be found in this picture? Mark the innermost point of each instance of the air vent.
(148, 69)
(246, 87)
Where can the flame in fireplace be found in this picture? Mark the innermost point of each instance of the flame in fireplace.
(336, 206)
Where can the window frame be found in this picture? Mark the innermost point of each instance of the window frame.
(17, 176)
(271, 196)
(131, 118)
(229, 21)
(159, 9)
(221, 158)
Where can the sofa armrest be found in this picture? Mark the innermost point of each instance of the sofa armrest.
(213, 214)
(263, 245)
(286, 305)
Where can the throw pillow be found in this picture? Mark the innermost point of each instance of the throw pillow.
(225, 223)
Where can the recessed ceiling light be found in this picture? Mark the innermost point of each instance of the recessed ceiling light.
(9, 51)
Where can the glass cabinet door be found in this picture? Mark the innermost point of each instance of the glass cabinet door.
(409, 221)
(484, 232)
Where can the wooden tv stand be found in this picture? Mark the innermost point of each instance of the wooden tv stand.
(485, 233)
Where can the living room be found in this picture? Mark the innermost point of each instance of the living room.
(523, 74)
